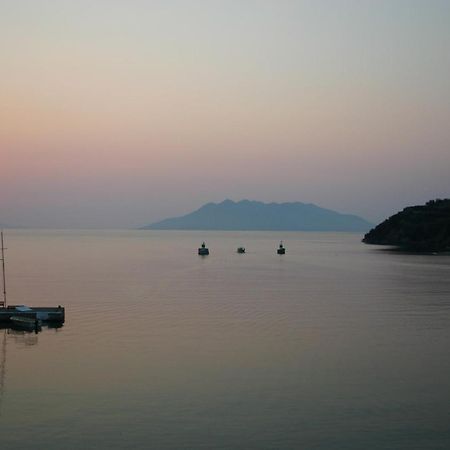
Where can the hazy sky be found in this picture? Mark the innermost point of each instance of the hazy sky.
(119, 113)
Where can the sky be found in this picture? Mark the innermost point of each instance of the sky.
(121, 113)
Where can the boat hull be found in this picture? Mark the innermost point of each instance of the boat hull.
(26, 323)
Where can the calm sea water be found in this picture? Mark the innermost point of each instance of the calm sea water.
(335, 345)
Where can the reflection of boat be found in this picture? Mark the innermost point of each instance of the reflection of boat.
(241, 250)
(281, 250)
(26, 323)
(2, 369)
(203, 250)
(35, 313)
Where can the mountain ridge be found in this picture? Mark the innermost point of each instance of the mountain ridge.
(253, 215)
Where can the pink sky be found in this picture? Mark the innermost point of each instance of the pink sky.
(117, 114)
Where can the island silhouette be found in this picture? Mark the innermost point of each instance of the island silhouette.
(254, 215)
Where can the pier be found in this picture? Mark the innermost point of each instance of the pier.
(54, 314)
(44, 313)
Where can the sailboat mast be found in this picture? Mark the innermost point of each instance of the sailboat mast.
(3, 269)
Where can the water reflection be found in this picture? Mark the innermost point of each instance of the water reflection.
(335, 345)
(19, 330)
(19, 337)
(53, 325)
(2, 368)
(24, 337)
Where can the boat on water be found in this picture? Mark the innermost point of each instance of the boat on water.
(21, 315)
(26, 323)
(203, 250)
(241, 250)
(47, 314)
(281, 250)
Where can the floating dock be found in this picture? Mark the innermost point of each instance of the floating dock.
(24, 315)
(55, 314)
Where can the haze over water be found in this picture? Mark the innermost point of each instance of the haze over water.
(335, 345)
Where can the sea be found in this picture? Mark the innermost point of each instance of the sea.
(334, 345)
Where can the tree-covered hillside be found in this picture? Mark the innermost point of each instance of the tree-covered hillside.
(418, 228)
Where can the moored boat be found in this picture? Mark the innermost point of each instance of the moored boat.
(203, 250)
(281, 250)
(27, 323)
(241, 250)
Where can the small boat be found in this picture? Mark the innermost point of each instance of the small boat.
(27, 323)
(281, 250)
(203, 250)
(241, 250)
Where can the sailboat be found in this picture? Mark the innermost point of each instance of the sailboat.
(26, 316)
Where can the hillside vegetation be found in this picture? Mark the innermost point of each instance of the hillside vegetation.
(418, 228)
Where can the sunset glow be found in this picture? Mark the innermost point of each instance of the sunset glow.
(116, 114)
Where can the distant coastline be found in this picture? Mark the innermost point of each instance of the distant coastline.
(258, 216)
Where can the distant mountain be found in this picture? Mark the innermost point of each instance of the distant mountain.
(252, 215)
(419, 228)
